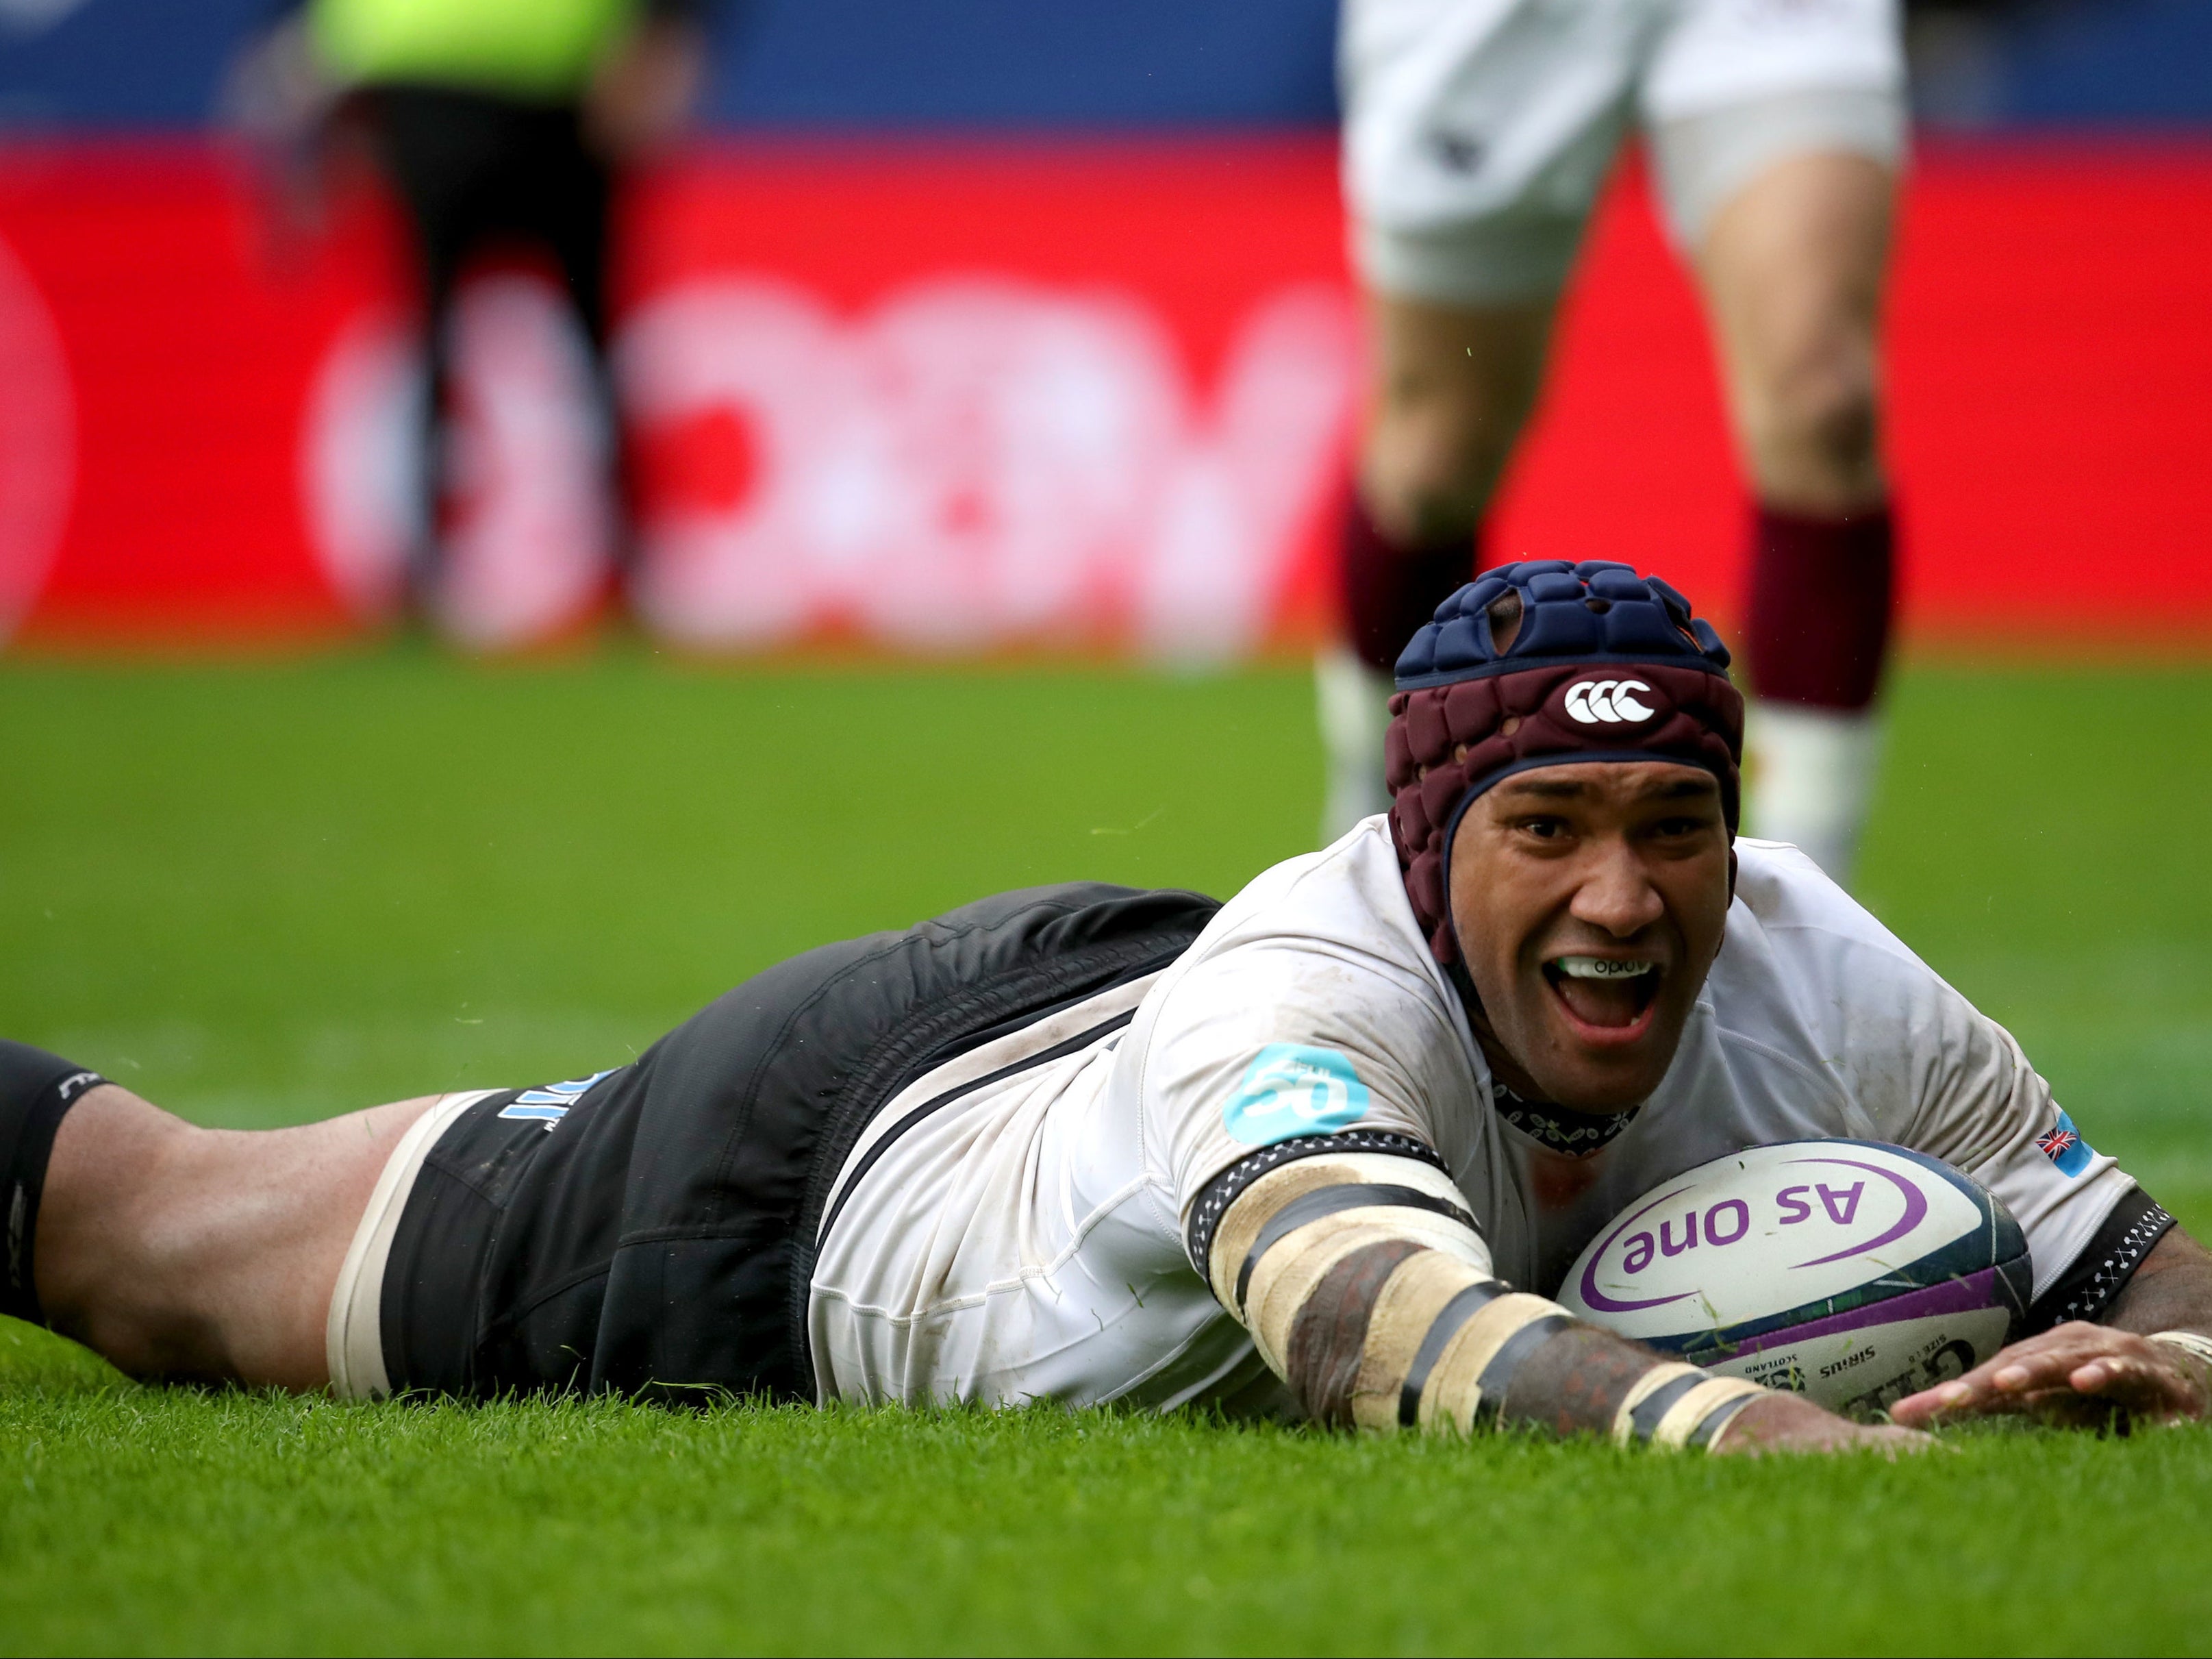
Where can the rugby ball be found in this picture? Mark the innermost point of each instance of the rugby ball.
(1851, 1271)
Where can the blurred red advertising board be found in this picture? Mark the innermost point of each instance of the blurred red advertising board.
(951, 398)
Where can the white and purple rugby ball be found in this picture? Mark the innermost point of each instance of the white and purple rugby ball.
(1853, 1272)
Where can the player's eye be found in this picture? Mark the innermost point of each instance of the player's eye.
(1686, 824)
(1544, 827)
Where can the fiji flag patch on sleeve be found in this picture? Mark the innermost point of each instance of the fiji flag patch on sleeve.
(2064, 1146)
(1294, 1089)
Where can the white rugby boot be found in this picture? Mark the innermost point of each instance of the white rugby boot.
(1811, 776)
(1353, 701)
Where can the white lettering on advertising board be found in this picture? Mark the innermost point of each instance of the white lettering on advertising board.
(975, 460)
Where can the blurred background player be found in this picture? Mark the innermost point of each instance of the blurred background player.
(499, 124)
(1478, 134)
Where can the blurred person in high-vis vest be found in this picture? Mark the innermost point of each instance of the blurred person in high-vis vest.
(500, 122)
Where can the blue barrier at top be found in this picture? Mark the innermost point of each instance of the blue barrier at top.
(1078, 64)
(1028, 63)
(2147, 61)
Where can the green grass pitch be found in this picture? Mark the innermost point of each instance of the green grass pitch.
(264, 894)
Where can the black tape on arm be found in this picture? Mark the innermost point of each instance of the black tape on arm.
(1225, 1188)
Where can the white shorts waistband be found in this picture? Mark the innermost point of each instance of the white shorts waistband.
(352, 1338)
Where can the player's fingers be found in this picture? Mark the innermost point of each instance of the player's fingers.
(2047, 1360)
(1958, 1398)
(2077, 1373)
(2110, 1390)
(2138, 1386)
(2099, 1376)
(2000, 1385)
(2010, 1373)
(2044, 1363)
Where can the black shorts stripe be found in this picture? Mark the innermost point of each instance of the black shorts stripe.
(883, 1143)
(1308, 1207)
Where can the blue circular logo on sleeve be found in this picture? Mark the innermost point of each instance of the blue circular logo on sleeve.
(1294, 1089)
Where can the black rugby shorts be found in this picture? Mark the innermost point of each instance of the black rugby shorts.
(656, 1237)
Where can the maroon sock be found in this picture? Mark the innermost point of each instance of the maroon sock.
(1821, 592)
(1390, 593)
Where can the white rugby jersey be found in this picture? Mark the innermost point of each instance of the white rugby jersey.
(1013, 1226)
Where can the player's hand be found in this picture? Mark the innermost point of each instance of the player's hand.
(1791, 1422)
(2075, 1373)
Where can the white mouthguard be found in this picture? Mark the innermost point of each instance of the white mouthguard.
(1603, 968)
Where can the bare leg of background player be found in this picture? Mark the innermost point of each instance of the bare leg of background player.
(1453, 387)
(1792, 268)
(1792, 265)
(210, 1254)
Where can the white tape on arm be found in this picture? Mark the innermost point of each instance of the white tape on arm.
(1366, 1288)
(2198, 1348)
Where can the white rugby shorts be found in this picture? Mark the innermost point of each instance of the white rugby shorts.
(1477, 132)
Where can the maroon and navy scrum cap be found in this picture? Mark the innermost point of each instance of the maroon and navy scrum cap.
(1545, 663)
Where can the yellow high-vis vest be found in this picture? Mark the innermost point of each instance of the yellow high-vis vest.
(540, 50)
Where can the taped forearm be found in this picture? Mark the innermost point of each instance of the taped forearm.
(1367, 1288)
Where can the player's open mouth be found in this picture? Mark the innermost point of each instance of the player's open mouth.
(1611, 995)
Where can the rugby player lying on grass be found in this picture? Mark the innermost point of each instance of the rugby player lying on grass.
(1321, 1150)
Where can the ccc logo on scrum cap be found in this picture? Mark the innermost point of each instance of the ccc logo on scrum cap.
(1608, 702)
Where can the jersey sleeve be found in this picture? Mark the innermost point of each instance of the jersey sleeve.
(1989, 1112)
(1943, 1078)
(1928, 1069)
(1276, 1040)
